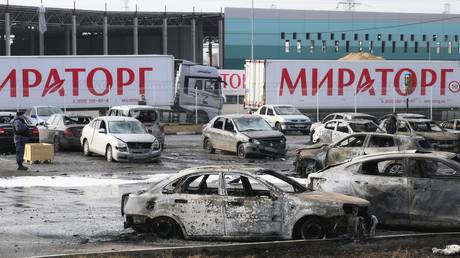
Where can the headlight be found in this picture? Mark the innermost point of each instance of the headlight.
(156, 145)
(257, 142)
(121, 146)
(283, 140)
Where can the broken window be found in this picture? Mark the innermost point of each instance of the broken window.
(342, 127)
(201, 184)
(331, 125)
(386, 167)
(378, 141)
(219, 123)
(239, 185)
(422, 168)
(352, 141)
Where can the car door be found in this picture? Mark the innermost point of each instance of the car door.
(380, 143)
(342, 130)
(199, 205)
(271, 118)
(434, 193)
(229, 140)
(384, 183)
(217, 134)
(251, 208)
(325, 133)
(100, 139)
(347, 148)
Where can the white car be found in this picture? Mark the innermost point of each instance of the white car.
(120, 139)
(285, 118)
(338, 129)
(39, 114)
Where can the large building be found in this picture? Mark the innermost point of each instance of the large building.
(329, 35)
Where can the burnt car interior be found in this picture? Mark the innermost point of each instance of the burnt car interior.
(238, 185)
(387, 167)
(201, 184)
(353, 141)
(427, 168)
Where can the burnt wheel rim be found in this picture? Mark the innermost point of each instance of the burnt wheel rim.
(312, 231)
(164, 228)
(241, 151)
(208, 145)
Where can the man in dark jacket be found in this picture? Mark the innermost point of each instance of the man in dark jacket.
(21, 136)
(391, 124)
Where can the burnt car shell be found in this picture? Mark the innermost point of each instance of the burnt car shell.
(277, 215)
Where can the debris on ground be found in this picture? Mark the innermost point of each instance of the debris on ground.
(448, 250)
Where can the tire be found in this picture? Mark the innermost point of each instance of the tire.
(278, 127)
(109, 154)
(208, 146)
(240, 151)
(56, 144)
(166, 228)
(86, 151)
(312, 228)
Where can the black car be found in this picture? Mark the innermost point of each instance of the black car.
(63, 130)
(7, 135)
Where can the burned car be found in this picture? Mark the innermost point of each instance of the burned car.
(452, 126)
(244, 135)
(439, 138)
(406, 188)
(230, 203)
(318, 156)
(337, 129)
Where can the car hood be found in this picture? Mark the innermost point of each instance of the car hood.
(315, 146)
(327, 197)
(134, 137)
(438, 135)
(297, 117)
(263, 134)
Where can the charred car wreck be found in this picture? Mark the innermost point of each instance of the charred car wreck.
(229, 203)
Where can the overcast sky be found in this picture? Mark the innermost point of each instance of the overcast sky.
(420, 6)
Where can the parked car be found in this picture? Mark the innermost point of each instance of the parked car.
(231, 203)
(285, 118)
(403, 116)
(439, 138)
(119, 139)
(7, 135)
(63, 130)
(244, 135)
(452, 126)
(318, 156)
(337, 129)
(405, 189)
(39, 114)
(343, 115)
(147, 115)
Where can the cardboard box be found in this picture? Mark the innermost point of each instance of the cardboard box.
(39, 152)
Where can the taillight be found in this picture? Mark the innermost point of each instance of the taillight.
(162, 128)
(2, 130)
(35, 131)
(68, 132)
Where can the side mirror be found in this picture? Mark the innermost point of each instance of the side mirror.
(101, 130)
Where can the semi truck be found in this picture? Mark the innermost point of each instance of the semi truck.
(344, 85)
(184, 90)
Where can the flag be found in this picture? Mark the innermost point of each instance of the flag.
(41, 19)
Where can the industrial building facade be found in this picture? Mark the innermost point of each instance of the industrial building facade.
(330, 35)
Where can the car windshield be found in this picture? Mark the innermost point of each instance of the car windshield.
(145, 116)
(425, 127)
(252, 124)
(287, 110)
(48, 111)
(363, 127)
(126, 127)
(284, 183)
(76, 120)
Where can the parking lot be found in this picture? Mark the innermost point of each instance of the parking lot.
(74, 202)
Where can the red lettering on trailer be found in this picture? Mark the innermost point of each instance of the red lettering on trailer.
(443, 79)
(142, 72)
(56, 85)
(26, 83)
(342, 83)
(327, 77)
(399, 76)
(238, 84)
(11, 78)
(384, 72)
(424, 83)
(120, 82)
(75, 80)
(365, 83)
(108, 80)
(301, 77)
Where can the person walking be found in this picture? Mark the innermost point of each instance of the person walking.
(21, 136)
(391, 124)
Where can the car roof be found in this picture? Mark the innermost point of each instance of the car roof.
(127, 107)
(416, 119)
(351, 114)
(386, 134)
(356, 121)
(411, 115)
(279, 105)
(404, 154)
(240, 116)
(117, 118)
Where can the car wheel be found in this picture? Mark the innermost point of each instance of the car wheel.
(394, 169)
(241, 152)
(109, 154)
(278, 127)
(208, 146)
(57, 144)
(312, 228)
(166, 228)
(86, 151)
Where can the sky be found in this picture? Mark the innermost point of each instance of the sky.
(418, 6)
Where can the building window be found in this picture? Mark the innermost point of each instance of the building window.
(456, 38)
(438, 48)
(343, 36)
(308, 36)
(287, 45)
(332, 36)
(435, 37)
(323, 46)
(446, 37)
(282, 35)
(319, 36)
(360, 44)
(449, 47)
(412, 37)
(379, 37)
(356, 36)
(428, 47)
(383, 46)
(312, 46)
(393, 46)
(416, 47)
(347, 46)
(424, 37)
(299, 46)
(401, 37)
(390, 37)
(366, 36)
(336, 46)
(294, 35)
(405, 46)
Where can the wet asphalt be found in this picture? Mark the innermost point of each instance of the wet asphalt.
(73, 204)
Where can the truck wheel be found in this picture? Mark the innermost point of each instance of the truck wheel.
(86, 151)
(240, 151)
(278, 127)
(312, 228)
(109, 154)
(56, 144)
(208, 146)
